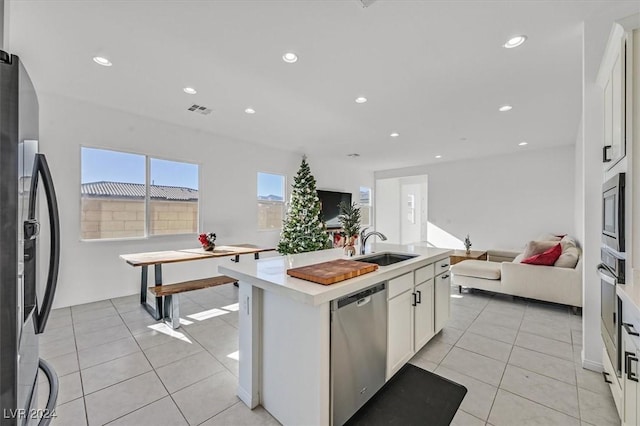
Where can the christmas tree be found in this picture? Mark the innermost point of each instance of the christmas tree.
(303, 230)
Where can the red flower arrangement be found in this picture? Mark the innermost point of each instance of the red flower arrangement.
(207, 240)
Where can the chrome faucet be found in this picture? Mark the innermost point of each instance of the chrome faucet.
(364, 237)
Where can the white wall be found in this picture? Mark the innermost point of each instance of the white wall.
(91, 271)
(500, 201)
(387, 208)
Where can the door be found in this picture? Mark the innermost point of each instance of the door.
(442, 300)
(400, 334)
(423, 323)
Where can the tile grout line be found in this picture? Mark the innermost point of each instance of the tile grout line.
(506, 364)
(217, 414)
(84, 402)
(531, 400)
(154, 372)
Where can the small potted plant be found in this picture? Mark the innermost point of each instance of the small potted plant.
(208, 241)
(467, 244)
(350, 221)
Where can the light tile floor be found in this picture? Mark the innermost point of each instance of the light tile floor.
(519, 361)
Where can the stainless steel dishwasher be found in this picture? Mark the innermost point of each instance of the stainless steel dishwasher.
(358, 349)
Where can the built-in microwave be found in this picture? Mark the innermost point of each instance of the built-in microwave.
(613, 213)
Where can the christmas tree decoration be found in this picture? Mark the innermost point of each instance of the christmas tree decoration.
(303, 230)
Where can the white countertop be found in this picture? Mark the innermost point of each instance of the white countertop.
(271, 274)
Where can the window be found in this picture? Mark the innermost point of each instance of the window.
(365, 206)
(270, 201)
(117, 200)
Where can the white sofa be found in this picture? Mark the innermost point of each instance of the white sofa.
(548, 283)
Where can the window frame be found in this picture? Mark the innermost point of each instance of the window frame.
(283, 202)
(147, 200)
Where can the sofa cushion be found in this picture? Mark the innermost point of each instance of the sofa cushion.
(567, 242)
(568, 258)
(547, 258)
(537, 247)
(478, 269)
(518, 258)
(548, 237)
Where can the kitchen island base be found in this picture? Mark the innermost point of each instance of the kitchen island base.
(285, 326)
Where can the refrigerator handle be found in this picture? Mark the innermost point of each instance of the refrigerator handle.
(41, 168)
(54, 388)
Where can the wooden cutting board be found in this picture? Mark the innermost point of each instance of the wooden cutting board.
(331, 272)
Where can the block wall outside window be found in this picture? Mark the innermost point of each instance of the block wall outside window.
(271, 195)
(115, 195)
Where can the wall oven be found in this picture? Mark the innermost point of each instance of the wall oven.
(610, 315)
(613, 213)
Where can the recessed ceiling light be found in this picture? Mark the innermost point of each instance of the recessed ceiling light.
(102, 61)
(361, 100)
(290, 57)
(515, 41)
(354, 155)
(250, 111)
(523, 143)
(190, 90)
(504, 108)
(438, 156)
(394, 134)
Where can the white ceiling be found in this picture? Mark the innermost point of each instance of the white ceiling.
(433, 71)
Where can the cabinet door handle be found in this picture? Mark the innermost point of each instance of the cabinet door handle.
(629, 329)
(605, 153)
(419, 296)
(414, 299)
(629, 358)
(444, 277)
(446, 265)
(605, 374)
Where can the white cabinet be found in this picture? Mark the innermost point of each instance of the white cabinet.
(424, 318)
(617, 88)
(611, 378)
(400, 332)
(630, 375)
(442, 300)
(411, 315)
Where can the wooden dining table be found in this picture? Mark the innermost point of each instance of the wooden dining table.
(159, 258)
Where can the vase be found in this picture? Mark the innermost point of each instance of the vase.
(468, 251)
(210, 247)
(349, 246)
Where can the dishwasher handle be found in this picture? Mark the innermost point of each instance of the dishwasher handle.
(363, 301)
(361, 298)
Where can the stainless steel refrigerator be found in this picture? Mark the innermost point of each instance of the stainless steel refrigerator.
(25, 299)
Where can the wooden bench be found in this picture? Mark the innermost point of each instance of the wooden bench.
(172, 305)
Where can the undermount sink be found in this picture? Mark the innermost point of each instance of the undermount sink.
(386, 259)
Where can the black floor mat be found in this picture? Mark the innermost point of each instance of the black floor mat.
(412, 397)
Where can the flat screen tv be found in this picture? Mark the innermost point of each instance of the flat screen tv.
(330, 201)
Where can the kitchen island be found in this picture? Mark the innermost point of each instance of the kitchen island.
(284, 325)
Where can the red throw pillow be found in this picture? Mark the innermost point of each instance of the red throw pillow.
(547, 258)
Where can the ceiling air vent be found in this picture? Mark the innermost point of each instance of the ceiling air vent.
(200, 109)
(366, 3)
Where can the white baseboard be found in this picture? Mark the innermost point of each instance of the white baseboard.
(592, 365)
(247, 399)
